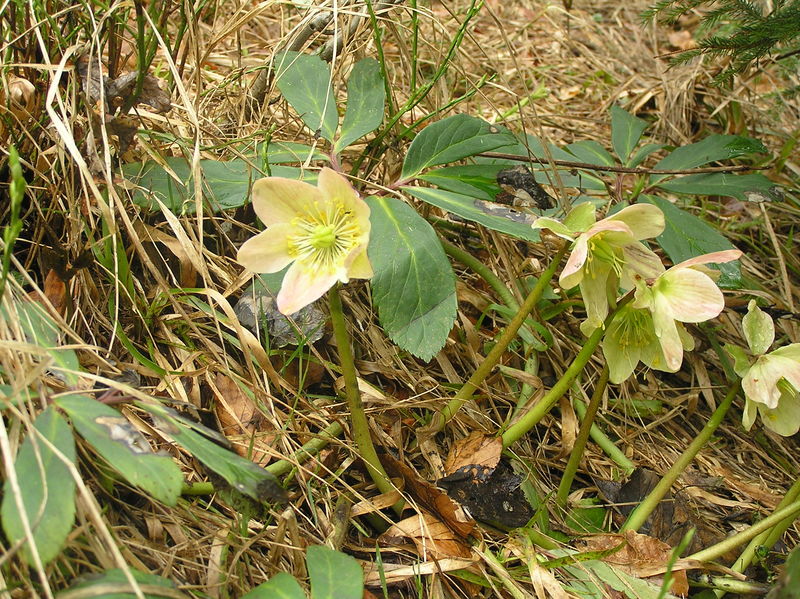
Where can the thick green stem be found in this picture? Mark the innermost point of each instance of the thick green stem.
(791, 511)
(358, 420)
(308, 450)
(583, 437)
(493, 357)
(768, 538)
(467, 259)
(548, 400)
(639, 515)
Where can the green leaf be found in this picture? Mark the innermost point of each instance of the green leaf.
(124, 447)
(413, 286)
(98, 585)
(451, 139)
(226, 185)
(592, 152)
(642, 153)
(40, 330)
(491, 215)
(46, 489)
(750, 187)
(710, 149)
(626, 131)
(243, 475)
(686, 236)
(333, 574)
(474, 180)
(366, 95)
(280, 586)
(305, 82)
(283, 152)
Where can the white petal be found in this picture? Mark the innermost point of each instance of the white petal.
(667, 333)
(301, 286)
(691, 295)
(267, 251)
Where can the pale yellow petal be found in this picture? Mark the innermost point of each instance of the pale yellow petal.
(667, 332)
(692, 296)
(643, 220)
(278, 200)
(784, 419)
(301, 287)
(267, 251)
(360, 266)
(334, 186)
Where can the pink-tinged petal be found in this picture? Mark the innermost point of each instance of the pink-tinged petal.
(553, 225)
(784, 419)
(572, 273)
(360, 267)
(761, 381)
(759, 330)
(279, 200)
(581, 217)
(606, 226)
(667, 333)
(712, 258)
(691, 295)
(335, 187)
(267, 251)
(301, 287)
(643, 220)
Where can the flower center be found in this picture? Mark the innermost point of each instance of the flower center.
(603, 251)
(324, 236)
(634, 328)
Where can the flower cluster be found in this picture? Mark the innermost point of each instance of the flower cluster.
(609, 257)
(771, 381)
(322, 232)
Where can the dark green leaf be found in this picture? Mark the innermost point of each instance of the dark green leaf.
(46, 489)
(225, 184)
(710, 149)
(113, 584)
(686, 236)
(366, 95)
(491, 215)
(243, 475)
(124, 447)
(413, 286)
(305, 82)
(280, 586)
(592, 152)
(451, 139)
(474, 180)
(333, 574)
(742, 187)
(626, 131)
(285, 152)
(642, 153)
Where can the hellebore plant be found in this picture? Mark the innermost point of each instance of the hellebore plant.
(771, 382)
(650, 329)
(321, 231)
(607, 254)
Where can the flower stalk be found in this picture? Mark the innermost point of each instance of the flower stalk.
(358, 419)
(642, 512)
(493, 357)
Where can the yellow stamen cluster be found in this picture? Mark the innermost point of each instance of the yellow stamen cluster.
(324, 236)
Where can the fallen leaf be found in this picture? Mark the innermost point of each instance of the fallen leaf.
(432, 537)
(681, 40)
(429, 496)
(241, 422)
(476, 449)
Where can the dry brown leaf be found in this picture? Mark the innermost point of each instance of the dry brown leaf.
(681, 40)
(430, 497)
(476, 449)
(377, 574)
(241, 421)
(640, 556)
(432, 537)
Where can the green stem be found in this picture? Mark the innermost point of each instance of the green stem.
(768, 538)
(791, 511)
(604, 443)
(313, 447)
(479, 268)
(542, 407)
(639, 515)
(493, 357)
(358, 419)
(583, 437)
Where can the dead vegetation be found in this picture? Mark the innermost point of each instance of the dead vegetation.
(532, 66)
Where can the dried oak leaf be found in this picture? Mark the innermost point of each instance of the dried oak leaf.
(475, 449)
